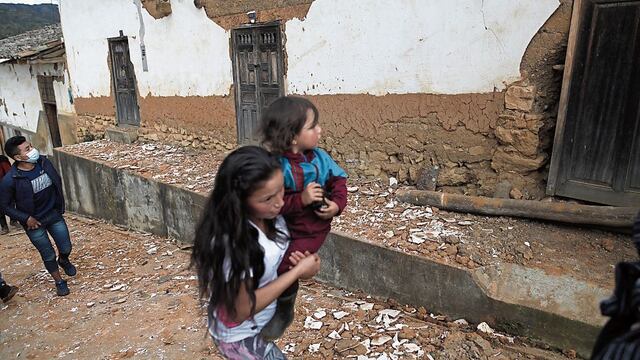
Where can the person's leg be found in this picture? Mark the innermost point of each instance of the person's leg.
(252, 348)
(6, 291)
(40, 240)
(4, 228)
(60, 234)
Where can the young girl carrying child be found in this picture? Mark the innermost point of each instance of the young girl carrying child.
(239, 243)
(315, 188)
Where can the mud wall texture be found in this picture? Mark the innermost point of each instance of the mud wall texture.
(199, 122)
(475, 119)
(233, 14)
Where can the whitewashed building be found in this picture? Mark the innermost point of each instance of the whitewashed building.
(35, 96)
(466, 91)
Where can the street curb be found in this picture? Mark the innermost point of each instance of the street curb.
(556, 309)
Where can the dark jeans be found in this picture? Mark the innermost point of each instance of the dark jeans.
(3, 220)
(55, 225)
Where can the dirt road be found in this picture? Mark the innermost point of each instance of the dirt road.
(134, 297)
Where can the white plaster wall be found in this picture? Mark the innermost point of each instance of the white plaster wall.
(187, 53)
(61, 89)
(411, 46)
(21, 102)
(20, 96)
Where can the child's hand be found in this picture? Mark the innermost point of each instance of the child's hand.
(308, 266)
(329, 211)
(313, 192)
(296, 256)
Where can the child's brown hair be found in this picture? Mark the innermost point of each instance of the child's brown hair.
(283, 120)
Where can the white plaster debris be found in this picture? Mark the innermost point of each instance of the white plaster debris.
(319, 314)
(314, 348)
(310, 323)
(291, 347)
(461, 322)
(485, 328)
(340, 314)
(381, 340)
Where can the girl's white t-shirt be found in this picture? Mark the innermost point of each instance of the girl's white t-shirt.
(273, 254)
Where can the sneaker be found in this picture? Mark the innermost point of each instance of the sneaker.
(7, 292)
(61, 288)
(4, 231)
(68, 267)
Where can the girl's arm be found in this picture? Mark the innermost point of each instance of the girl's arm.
(265, 295)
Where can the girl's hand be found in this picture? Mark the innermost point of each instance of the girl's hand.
(308, 267)
(329, 211)
(313, 192)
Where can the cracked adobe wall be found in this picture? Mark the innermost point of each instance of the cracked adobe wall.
(402, 87)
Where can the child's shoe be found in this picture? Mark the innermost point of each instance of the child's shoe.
(281, 319)
(67, 266)
(7, 292)
(4, 231)
(61, 288)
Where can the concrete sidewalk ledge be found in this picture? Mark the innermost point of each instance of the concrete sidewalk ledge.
(556, 309)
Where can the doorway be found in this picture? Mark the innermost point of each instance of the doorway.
(258, 75)
(48, 97)
(124, 82)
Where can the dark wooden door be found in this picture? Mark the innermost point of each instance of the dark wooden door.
(48, 97)
(124, 82)
(257, 67)
(596, 155)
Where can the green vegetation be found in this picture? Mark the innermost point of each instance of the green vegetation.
(18, 18)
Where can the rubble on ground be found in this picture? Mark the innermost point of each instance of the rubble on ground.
(135, 297)
(374, 214)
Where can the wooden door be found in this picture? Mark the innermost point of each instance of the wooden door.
(48, 97)
(124, 82)
(257, 68)
(596, 154)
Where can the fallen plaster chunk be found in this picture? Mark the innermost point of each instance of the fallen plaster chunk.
(485, 328)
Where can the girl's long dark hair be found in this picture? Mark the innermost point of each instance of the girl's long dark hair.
(224, 230)
(283, 120)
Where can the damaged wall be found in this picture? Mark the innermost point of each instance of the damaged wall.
(430, 46)
(403, 88)
(187, 57)
(20, 102)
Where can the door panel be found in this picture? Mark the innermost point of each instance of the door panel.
(257, 75)
(124, 83)
(596, 149)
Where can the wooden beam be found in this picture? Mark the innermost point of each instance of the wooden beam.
(573, 213)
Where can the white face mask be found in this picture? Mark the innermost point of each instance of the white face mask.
(33, 155)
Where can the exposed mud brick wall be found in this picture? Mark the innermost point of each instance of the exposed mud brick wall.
(157, 8)
(213, 116)
(200, 122)
(404, 135)
(93, 127)
(526, 127)
(232, 14)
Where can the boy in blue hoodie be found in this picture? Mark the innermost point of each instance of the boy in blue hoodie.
(31, 192)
